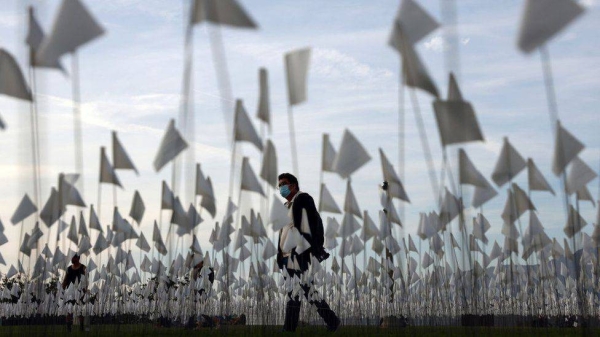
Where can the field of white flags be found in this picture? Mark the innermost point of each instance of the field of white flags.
(450, 148)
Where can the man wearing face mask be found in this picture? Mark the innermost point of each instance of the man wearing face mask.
(74, 273)
(297, 263)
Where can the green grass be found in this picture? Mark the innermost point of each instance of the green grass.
(130, 330)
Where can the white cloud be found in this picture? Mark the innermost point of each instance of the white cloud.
(436, 44)
(589, 3)
(331, 62)
(11, 20)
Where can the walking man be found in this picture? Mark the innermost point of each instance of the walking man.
(297, 264)
(74, 273)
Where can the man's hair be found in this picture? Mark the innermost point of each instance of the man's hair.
(290, 177)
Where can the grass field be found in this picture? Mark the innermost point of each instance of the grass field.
(128, 330)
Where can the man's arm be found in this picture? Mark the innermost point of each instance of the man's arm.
(305, 201)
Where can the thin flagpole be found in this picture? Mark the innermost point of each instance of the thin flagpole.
(294, 147)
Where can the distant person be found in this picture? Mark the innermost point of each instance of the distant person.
(74, 273)
(299, 201)
(196, 272)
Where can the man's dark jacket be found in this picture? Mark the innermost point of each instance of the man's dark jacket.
(304, 201)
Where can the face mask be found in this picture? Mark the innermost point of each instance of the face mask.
(284, 190)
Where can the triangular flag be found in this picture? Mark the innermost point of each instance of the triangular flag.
(349, 226)
(481, 195)
(137, 208)
(3, 238)
(480, 226)
(264, 107)
(142, 243)
(171, 145)
(414, 72)
(269, 170)
(468, 174)
(167, 197)
(72, 235)
(328, 154)
(84, 245)
(534, 229)
(249, 180)
(326, 201)
(351, 156)
(69, 193)
(73, 27)
(12, 82)
(411, 245)
(536, 179)
(195, 247)
(52, 210)
(415, 23)
(395, 187)
(269, 251)
(204, 188)
(94, 222)
(25, 249)
(509, 164)
(47, 252)
(574, 223)
(369, 228)
(180, 217)
(221, 12)
(583, 194)
(291, 241)
(350, 203)
(244, 254)
(193, 216)
(107, 173)
(120, 158)
(542, 19)
(580, 174)
(296, 70)
(35, 37)
(453, 89)
(332, 228)
(426, 261)
(496, 251)
(82, 226)
(517, 203)
(566, 147)
(25, 209)
(304, 225)
(62, 226)
(279, 216)
(450, 208)
(119, 224)
(156, 236)
(100, 245)
(457, 122)
(244, 129)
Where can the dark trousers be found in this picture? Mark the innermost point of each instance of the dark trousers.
(292, 309)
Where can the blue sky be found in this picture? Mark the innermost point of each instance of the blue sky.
(131, 80)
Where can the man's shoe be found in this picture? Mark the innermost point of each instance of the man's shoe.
(335, 327)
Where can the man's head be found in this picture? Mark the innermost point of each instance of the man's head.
(288, 185)
(75, 259)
